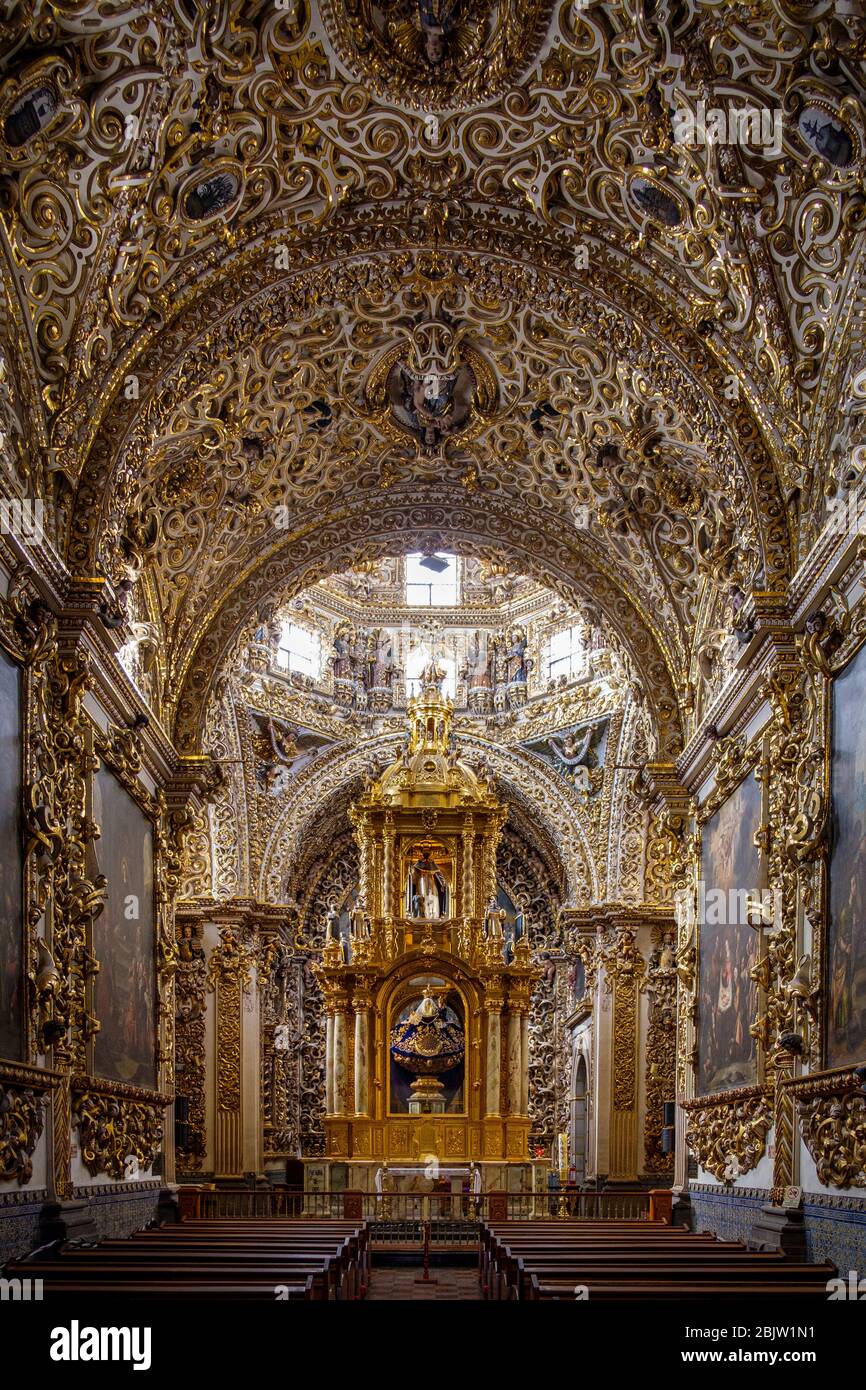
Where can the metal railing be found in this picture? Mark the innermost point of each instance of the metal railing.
(409, 1209)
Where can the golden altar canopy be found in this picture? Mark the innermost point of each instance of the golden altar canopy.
(427, 965)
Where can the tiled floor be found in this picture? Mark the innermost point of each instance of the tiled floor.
(399, 1285)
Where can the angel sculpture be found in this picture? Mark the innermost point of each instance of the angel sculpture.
(433, 33)
(284, 741)
(571, 756)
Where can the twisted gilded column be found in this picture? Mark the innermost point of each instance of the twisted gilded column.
(515, 1063)
(468, 866)
(524, 1076)
(388, 866)
(341, 1059)
(329, 1062)
(361, 1004)
(494, 1057)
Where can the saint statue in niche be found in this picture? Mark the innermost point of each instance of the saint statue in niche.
(428, 889)
(477, 670)
(516, 664)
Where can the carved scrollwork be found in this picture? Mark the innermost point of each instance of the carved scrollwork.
(280, 977)
(728, 1135)
(229, 974)
(190, 1043)
(22, 1117)
(116, 1124)
(28, 628)
(832, 1114)
(661, 986)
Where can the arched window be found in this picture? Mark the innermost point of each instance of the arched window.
(299, 650)
(566, 653)
(579, 1117)
(431, 581)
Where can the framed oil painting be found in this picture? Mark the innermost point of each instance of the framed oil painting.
(846, 993)
(11, 873)
(730, 874)
(124, 938)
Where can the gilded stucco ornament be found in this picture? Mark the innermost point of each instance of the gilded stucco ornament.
(728, 1135)
(832, 1114)
(190, 1044)
(117, 1123)
(22, 1119)
(436, 54)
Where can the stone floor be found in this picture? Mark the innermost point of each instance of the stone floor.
(399, 1285)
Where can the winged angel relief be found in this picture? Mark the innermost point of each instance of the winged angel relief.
(433, 386)
(436, 51)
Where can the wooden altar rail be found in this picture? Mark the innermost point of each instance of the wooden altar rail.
(408, 1208)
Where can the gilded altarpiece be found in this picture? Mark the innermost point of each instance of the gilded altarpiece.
(427, 980)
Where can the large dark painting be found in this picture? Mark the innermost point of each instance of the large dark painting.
(123, 938)
(728, 945)
(11, 906)
(846, 1013)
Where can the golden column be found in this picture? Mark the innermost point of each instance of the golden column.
(341, 1057)
(468, 865)
(515, 1047)
(388, 865)
(329, 1060)
(493, 1011)
(361, 1003)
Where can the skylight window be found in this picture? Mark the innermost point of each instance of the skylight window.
(431, 581)
(299, 650)
(566, 654)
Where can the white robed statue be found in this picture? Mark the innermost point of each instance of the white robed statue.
(426, 883)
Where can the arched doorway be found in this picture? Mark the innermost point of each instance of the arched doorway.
(579, 1120)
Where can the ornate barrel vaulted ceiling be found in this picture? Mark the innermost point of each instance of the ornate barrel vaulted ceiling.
(232, 233)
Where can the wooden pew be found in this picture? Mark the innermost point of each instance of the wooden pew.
(540, 1260)
(260, 1258)
(528, 1236)
(678, 1293)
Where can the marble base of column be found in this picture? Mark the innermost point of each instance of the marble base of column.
(72, 1220)
(780, 1228)
(168, 1205)
(682, 1213)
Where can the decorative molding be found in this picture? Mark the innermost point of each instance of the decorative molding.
(22, 1117)
(116, 1123)
(831, 1108)
(728, 1133)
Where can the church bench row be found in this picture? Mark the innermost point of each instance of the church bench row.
(534, 1260)
(287, 1232)
(587, 1235)
(243, 1258)
(545, 1289)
